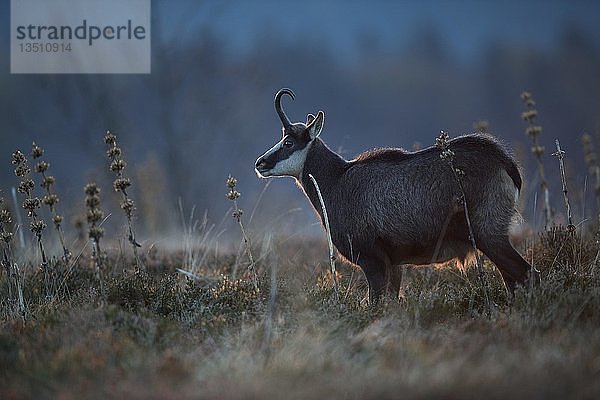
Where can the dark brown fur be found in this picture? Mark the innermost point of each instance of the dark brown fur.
(390, 207)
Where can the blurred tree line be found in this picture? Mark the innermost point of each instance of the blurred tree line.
(204, 113)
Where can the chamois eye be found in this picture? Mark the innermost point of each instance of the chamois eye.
(288, 143)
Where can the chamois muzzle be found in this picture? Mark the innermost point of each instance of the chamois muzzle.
(262, 167)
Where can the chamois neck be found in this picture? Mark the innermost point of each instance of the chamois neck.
(326, 167)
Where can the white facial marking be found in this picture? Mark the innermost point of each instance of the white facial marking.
(291, 166)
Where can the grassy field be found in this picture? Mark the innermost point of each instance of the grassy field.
(103, 318)
(155, 333)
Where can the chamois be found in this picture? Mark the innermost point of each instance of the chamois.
(389, 207)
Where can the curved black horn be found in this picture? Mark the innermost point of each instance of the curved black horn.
(284, 119)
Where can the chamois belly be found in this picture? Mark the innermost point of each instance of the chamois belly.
(447, 251)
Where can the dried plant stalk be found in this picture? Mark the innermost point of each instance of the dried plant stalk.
(50, 198)
(121, 184)
(95, 232)
(560, 154)
(271, 305)
(533, 131)
(233, 195)
(332, 257)
(13, 275)
(32, 205)
(442, 143)
(591, 159)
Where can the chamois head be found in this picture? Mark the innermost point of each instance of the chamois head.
(287, 157)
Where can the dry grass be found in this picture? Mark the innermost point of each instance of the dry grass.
(157, 334)
(282, 329)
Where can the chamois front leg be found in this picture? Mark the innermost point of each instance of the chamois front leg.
(394, 277)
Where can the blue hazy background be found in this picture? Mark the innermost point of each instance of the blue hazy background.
(385, 73)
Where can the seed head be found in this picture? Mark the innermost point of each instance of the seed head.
(110, 139)
(538, 151)
(533, 130)
(121, 184)
(128, 205)
(590, 159)
(233, 195)
(481, 126)
(94, 215)
(36, 151)
(5, 217)
(96, 233)
(231, 182)
(92, 201)
(26, 186)
(50, 200)
(22, 170)
(18, 157)
(91, 189)
(42, 167)
(113, 152)
(586, 139)
(237, 214)
(6, 236)
(47, 182)
(57, 220)
(37, 226)
(31, 204)
(529, 115)
(118, 165)
(528, 100)
(441, 142)
(447, 155)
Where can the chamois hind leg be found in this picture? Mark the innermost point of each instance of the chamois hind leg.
(375, 272)
(514, 269)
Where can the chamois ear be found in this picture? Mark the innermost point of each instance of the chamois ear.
(309, 118)
(316, 126)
